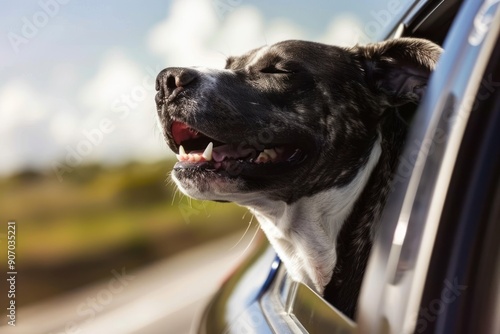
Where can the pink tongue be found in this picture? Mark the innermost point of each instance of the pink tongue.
(182, 132)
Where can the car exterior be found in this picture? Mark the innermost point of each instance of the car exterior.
(435, 263)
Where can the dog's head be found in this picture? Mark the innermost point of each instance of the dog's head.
(288, 120)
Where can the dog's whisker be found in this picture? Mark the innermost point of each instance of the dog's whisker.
(244, 234)
(181, 197)
(204, 204)
(250, 243)
(173, 197)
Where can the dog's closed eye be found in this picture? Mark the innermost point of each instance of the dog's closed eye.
(273, 69)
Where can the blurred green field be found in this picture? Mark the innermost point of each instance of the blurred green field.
(74, 232)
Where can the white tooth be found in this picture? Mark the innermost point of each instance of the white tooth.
(178, 156)
(207, 154)
(181, 150)
(197, 157)
(271, 153)
(263, 157)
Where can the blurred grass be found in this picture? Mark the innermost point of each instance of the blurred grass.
(73, 232)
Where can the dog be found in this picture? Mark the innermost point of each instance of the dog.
(305, 135)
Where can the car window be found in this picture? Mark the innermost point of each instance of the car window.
(466, 252)
(308, 312)
(396, 275)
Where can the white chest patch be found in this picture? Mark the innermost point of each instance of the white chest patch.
(304, 233)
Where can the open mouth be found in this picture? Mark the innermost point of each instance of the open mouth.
(197, 150)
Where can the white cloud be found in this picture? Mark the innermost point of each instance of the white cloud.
(24, 124)
(184, 36)
(193, 35)
(245, 29)
(19, 103)
(121, 92)
(283, 29)
(343, 31)
(63, 123)
(241, 31)
(116, 75)
(38, 127)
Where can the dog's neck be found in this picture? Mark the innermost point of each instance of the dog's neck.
(304, 233)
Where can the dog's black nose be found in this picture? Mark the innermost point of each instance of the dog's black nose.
(172, 78)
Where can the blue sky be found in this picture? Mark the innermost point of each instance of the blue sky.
(67, 67)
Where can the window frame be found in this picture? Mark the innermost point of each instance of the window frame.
(398, 267)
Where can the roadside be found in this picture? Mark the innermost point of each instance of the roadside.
(164, 297)
(74, 233)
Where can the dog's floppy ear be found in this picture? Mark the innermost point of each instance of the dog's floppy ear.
(399, 68)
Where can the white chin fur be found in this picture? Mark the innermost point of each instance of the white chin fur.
(212, 190)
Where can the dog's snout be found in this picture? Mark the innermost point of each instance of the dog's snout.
(173, 79)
